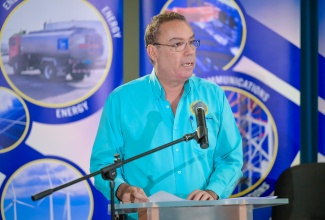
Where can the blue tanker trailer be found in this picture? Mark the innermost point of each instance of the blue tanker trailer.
(56, 53)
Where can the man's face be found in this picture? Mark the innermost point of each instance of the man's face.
(172, 66)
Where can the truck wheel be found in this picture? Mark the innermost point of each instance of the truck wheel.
(18, 68)
(77, 77)
(49, 71)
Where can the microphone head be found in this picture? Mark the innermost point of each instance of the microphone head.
(199, 104)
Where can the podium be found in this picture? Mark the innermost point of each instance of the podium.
(225, 209)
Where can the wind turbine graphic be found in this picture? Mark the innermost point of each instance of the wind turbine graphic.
(15, 201)
(50, 197)
(67, 205)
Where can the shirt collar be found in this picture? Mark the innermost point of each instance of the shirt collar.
(157, 88)
(159, 91)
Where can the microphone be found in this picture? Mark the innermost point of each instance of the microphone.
(202, 130)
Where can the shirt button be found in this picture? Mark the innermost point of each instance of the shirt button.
(176, 149)
(167, 106)
(179, 172)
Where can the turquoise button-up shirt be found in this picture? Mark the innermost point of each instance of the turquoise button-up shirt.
(137, 118)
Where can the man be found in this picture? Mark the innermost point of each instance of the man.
(157, 109)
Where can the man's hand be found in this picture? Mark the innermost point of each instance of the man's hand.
(131, 194)
(202, 195)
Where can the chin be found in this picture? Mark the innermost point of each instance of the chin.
(185, 77)
(188, 74)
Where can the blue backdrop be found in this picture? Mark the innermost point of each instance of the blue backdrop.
(254, 54)
(59, 61)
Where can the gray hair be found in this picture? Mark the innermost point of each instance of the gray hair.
(152, 30)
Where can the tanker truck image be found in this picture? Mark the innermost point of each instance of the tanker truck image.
(56, 53)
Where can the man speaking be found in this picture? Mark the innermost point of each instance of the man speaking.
(162, 107)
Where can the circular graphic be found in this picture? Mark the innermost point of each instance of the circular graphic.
(59, 57)
(73, 202)
(221, 28)
(14, 120)
(260, 138)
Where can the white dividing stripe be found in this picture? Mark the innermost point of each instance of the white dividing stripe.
(249, 67)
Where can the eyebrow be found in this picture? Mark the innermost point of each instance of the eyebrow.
(178, 38)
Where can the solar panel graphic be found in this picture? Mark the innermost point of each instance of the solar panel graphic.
(14, 120)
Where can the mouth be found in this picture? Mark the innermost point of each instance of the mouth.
(187, 64)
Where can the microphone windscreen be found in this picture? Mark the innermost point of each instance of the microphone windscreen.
(199, 104)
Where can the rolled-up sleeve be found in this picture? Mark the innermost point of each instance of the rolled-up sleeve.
(228, 155)
(108, 142)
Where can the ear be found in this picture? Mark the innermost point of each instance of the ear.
(152, 52)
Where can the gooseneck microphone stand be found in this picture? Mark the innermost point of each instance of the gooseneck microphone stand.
(109, 172)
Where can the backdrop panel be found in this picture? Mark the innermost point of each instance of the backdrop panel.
(321, 82)
(59, 61)
(254, 54)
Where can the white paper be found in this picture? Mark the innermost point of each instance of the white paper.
(163, 196)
